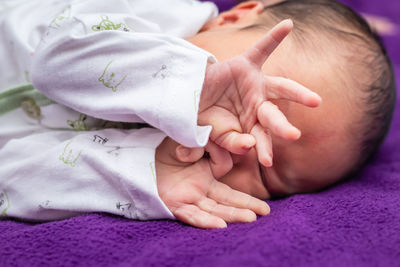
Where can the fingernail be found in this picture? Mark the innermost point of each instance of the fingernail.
(245, 150)
(245, 146)
(249, 143)
(289, 21)
(294, 133)
(267, 209)
(222, 225)
(183, 151)
(267, 162)
(318, 98)
(253, 217)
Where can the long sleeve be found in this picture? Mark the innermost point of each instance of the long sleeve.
(111, 63)
(59, 174)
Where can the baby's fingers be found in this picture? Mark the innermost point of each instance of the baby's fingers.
(263, 145)
(225, 195)
(260, 51)
(226, 131)
(282, 88)
(220, 160)
(188, 154)
(196, 217)
(271, 118)
(237, 143)
(227, 213)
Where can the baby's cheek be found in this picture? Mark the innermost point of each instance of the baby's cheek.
(246, 181)
(236, 181)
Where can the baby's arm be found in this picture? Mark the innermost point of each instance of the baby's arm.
(188, 188)
(59, 174)
(129, 72)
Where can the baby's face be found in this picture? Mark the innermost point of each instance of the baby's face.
(324, 152)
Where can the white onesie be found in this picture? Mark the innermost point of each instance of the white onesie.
(96, 63)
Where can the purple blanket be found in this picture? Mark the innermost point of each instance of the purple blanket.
(356, 223)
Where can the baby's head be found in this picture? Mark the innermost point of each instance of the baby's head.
(332, 51)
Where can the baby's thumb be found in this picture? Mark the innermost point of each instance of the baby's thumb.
(220, 160)
(189, 155)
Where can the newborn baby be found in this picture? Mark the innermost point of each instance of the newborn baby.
(332, 51)
(128, 63)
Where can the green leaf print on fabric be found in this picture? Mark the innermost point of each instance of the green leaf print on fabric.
(68, 156)
(61, 17)
(107, 25)
(109, 80)
(4, 203)
(15, 98)
(31, 108)
(79, 124)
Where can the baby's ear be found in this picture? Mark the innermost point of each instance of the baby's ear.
(187, 154)
(254, 6)
(244, 13)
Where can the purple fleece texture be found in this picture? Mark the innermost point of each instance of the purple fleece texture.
(356, 223)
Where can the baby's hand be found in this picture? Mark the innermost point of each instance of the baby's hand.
(235, 98)
(188, 188)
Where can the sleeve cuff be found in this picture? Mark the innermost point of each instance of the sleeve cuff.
(182, 102)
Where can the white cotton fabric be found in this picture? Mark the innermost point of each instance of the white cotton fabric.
(122, 61)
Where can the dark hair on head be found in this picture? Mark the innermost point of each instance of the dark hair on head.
(340, 23)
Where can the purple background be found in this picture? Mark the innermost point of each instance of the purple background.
(356, 223)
